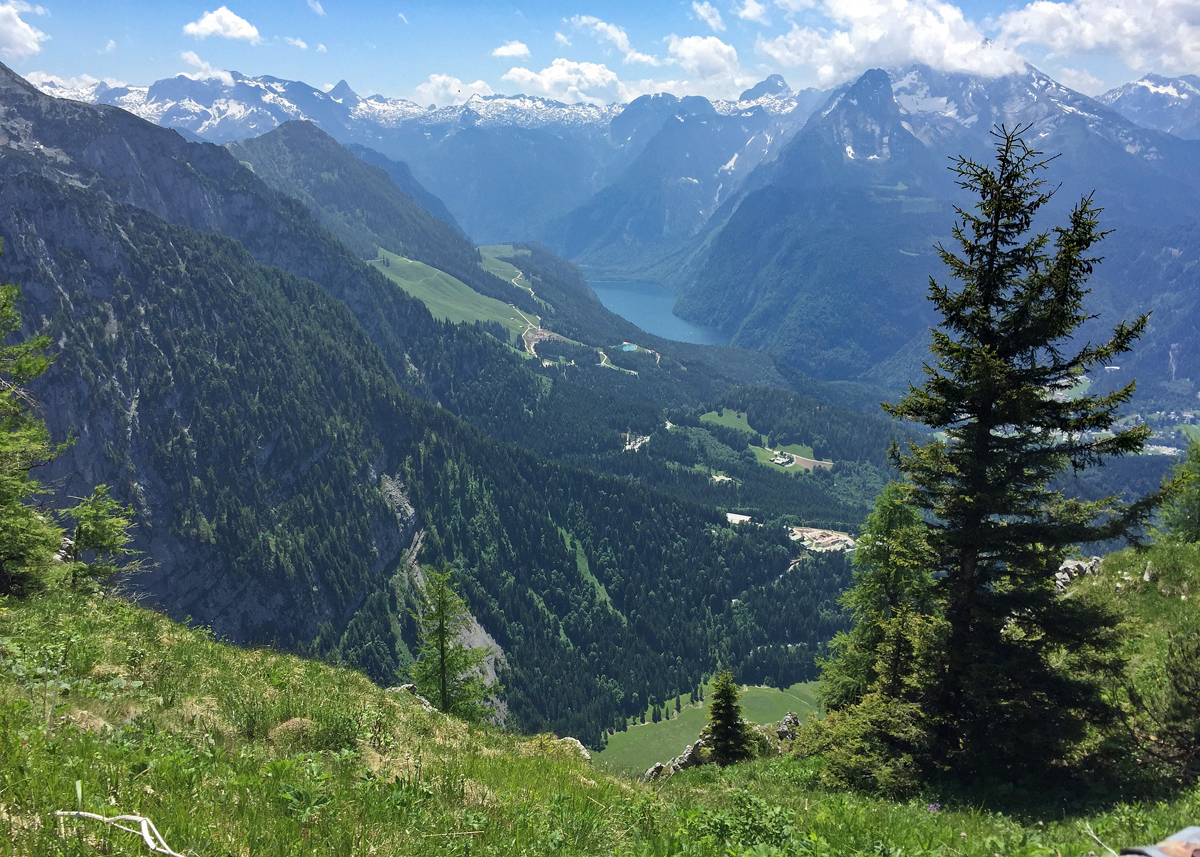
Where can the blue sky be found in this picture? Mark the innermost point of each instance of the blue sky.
(598, 52)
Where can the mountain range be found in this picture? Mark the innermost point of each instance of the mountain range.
(297, 434)
(801, 223)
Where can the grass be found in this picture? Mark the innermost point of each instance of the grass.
(737, 420)
(446, 296)
(729, 419)
(504, 270)
(633, 751)
(110, 708)
(1192, 432)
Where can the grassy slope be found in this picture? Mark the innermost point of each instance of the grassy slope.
(636, 749)
(446, 296)
(162, 721)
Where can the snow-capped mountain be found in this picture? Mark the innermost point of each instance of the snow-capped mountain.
(1170, 104)
(506, 166)
(824, 255)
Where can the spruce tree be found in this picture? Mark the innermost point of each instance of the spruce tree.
(1017, 686)
(729, 737)
(1181, 514)
(448, 673)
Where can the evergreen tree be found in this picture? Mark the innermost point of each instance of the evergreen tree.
(892, 586)
(1182, 513)
(448, 673)
(29, 538)
(1018, 684)
(728, 734)
(101, 532)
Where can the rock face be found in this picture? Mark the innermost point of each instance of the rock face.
(411, 690)
(786, 730)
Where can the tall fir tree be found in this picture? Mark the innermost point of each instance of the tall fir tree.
(447, 672)
(728, 734)
(1018, 684)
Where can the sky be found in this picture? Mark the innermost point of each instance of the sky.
(444, 52)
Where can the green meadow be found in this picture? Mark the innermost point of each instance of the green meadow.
(447, 297)
(641, 745)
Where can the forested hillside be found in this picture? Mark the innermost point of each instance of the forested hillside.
(267, 424)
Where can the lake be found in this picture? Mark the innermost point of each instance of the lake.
(649, 306)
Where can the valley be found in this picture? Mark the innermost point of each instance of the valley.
(392, 477)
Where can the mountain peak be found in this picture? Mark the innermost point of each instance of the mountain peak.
(342, 92)
(773, 85)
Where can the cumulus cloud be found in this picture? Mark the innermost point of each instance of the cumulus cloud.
(41, 79)
(512, 49)
(110, 47)
(753, 11)
(1161, 34)
(296, 43)
(562, 40)
(570, 81)
(444, 89)
(711, 65)
(321, 49)
(708, 13)
(19, 38)
(316, 6)
(614, 34)
(225, 24)
(1080, 80)
(204, 71)
(870, 33)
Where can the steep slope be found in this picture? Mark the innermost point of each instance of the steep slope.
(403, 178)
(235, 373)
(825, 259)
(361, 205)
(1170, 104)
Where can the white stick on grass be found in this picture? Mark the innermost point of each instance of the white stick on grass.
(146, 829)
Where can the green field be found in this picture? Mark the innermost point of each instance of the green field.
(639, 747)
(729, 419)
(446, 296)
(504, 270)
(1192, 432)
(735, 420)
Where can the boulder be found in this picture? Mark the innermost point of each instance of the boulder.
(653, 772)
(786, 730)
(411, 690)
(576, 746)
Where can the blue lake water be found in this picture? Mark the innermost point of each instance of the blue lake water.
(649, 306)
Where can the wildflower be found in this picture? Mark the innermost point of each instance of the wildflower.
(963, 835)
(934, 807)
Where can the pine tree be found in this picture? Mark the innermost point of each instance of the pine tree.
(1017, 686)
(448, 673)
(29, 538)
(729, 736)
(1181, 514)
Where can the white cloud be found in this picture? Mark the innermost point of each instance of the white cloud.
(562, 40)
(795, 5)
(708, 13)
(711, 65)
(753, 11)
(1159, 34)
(570, 81)
(402, 17)
(873, 33)
(204, 71)
(225, 24)
(110, 47)
(614, 34)
(326, 87)
(1080, 80)
(296, 43)
(40, 79)
(316, 6)
(443, 89)
(19, 38)
(512, 49)
(321, 49)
